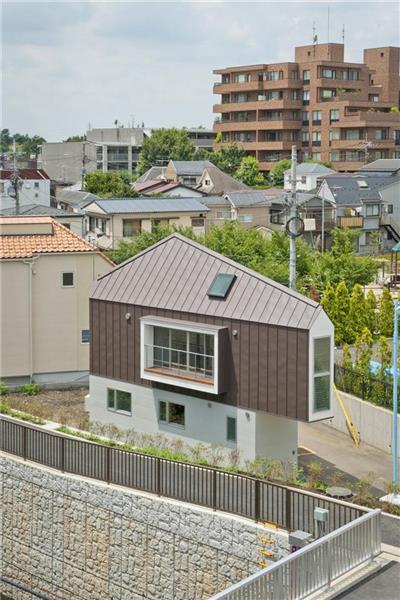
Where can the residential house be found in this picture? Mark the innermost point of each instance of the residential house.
(215, 182)
(329, 108)
(188, 343)
(70, 220)
(46, 274)
(72, 200)
(306, 176)
(34, 188)
(166, 188)
(188, 172)
(108, 221)
(366, 203)
(152, 173)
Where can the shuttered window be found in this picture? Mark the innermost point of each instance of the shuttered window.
(322, 374)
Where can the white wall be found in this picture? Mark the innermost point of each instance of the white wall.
(322, 327)
(205, 421)
(28, 194)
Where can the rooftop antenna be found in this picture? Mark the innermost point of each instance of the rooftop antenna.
(329, 11)
(343, 33)
(314, 36)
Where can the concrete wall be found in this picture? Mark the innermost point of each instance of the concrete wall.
(68, 537)
(258, 433)
(32, 191)
(373, 423)
(41, 320)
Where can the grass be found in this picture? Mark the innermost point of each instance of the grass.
(5, 409)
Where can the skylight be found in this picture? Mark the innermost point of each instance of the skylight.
(221, 285)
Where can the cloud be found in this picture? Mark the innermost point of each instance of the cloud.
(68, 63)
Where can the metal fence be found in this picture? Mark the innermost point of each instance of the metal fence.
(315, 566)
(374, 390)
(214, 488)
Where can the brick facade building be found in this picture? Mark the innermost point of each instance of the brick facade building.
(333, 110)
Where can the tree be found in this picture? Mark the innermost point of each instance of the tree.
(370, 311)
(328, 303)
(75, 138)
(165, 145)
(111, 184)
(364, 350)
(249, 171)
(342, 264)
(385, 314)
(358, 316)
(384, 357)
(5, 140)
(276, 174)
(228, 158)
(127, 248)
(30, 146)
(343, 329)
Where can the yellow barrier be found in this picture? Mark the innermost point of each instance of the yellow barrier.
(349, 423)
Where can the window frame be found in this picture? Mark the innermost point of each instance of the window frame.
(73, 279)
(88, 336)
(231, 440)
(320, 374)
(167, 420)
(372, 210)
(115, 408)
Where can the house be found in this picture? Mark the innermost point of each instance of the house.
(307, 176)
(34, 188)
(188, 343)
(188, 172)
(108, 221)
(369, 203)
(72, 200)
(166, 188)
(70, 220)
(215, 182)
(46, 274)
(152, 173)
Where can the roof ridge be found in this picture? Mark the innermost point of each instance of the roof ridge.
(221, 257)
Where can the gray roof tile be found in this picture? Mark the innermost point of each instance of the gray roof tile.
(150, 205)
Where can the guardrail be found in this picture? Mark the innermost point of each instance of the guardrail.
(315, 566)
(256, 499)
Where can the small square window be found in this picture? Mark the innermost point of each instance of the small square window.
(231, 429)
(85, 336)
(119, 401)
(36, 185)
(68, 279)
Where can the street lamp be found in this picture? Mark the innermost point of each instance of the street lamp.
(394, 497)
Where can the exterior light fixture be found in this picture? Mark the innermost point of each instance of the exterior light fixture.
(128, 316)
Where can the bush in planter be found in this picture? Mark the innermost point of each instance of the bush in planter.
(3, 388)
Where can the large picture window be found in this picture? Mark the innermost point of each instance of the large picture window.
(322, 374)
(181, 350)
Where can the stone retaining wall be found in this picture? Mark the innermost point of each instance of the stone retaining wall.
(74, 538)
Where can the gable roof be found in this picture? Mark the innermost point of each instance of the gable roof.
(150, 205)
(346, 190)
(74, 198)
(158, 186)
(40, 210)
(308, 168)
(389, 165)
(215, 201)
(24, 174)
(190, 167)
(176, 274)
(152, 173)
(248, 198)
(222, 183)
(26, 245)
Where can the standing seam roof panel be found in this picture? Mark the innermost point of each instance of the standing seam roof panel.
(185, 295)
(279, 310)
(160, 265)
(168, 287)
(288, 309)
(253, 302)
(215, 306)
(126, 293)
(197, 304)
(270, 307)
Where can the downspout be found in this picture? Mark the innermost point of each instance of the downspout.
(30, 264)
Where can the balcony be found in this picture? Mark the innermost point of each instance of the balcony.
(183, 354)
(356, 222)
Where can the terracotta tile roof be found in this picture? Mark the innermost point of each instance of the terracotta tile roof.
(20, 245)
(5, 174)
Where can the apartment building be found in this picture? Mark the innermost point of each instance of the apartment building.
(34, 188)
(332, 110)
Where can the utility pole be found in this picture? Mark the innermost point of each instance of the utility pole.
(15, 179)
(292, 218)
(323, 218)
(83, 170)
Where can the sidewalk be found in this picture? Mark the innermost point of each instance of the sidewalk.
(336, 452)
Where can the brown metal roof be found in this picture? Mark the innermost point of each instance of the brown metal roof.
(176, 274)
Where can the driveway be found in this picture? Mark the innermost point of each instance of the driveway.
(383, 585)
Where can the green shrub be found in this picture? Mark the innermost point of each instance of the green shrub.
(3, 388)
(30, 389)
(5, 408)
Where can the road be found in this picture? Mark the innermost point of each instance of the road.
(337, 452)
(385, 585)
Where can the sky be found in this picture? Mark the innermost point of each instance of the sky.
(68, 64)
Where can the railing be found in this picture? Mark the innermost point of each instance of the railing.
(235, 493)
(315, 566)
(180, 362)
(350, 221)
(369, 388)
